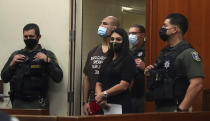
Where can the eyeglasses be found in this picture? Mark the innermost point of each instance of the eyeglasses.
(118, 39)
(29, 36)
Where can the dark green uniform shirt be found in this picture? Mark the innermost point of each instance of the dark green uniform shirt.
(55, 72)
(189, 62)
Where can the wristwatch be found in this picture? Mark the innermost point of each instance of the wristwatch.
(105, 94)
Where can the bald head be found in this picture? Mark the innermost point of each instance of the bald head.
(110, 23)
(114, 21)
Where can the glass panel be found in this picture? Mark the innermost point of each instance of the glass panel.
(129, 12)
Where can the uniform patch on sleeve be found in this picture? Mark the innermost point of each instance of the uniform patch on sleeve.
(195, 56)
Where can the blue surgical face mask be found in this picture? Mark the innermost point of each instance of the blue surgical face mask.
(102, 31)
(133, 39)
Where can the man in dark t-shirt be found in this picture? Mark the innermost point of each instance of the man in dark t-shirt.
(95, 58)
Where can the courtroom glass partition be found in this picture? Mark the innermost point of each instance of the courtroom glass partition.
(128, 12)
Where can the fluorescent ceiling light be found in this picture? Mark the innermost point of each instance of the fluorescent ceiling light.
(123, 8)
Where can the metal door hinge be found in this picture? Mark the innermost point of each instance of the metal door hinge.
(70, 97)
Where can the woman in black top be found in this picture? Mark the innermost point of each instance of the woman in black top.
(117, 71)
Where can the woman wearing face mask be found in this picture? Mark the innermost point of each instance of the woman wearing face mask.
(117, 71)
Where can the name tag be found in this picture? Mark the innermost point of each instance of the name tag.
(35, 66)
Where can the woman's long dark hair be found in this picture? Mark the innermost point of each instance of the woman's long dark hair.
(123, 52)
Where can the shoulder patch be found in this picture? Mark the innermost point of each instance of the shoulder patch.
(195, 56)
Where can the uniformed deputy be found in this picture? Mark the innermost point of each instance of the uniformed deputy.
(178, 69)
(28, 71)
(136, 38)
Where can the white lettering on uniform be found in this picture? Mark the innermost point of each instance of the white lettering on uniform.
(96, 63)
(96, 72)
(95, 66)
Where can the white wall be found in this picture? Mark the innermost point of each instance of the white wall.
(52, 16)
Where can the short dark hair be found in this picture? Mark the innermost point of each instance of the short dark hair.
(141, 28)
(33, 26)
(179, 20)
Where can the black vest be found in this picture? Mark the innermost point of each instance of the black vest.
(164, 83)
(31, 76)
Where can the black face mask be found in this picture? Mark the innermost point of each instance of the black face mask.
(116, 47)
(31, 43)
(163, 34)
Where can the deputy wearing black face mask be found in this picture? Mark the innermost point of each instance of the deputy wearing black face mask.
(28, 71)
(116, 73)
(176, 78)
(163, 34)
(31, 43)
